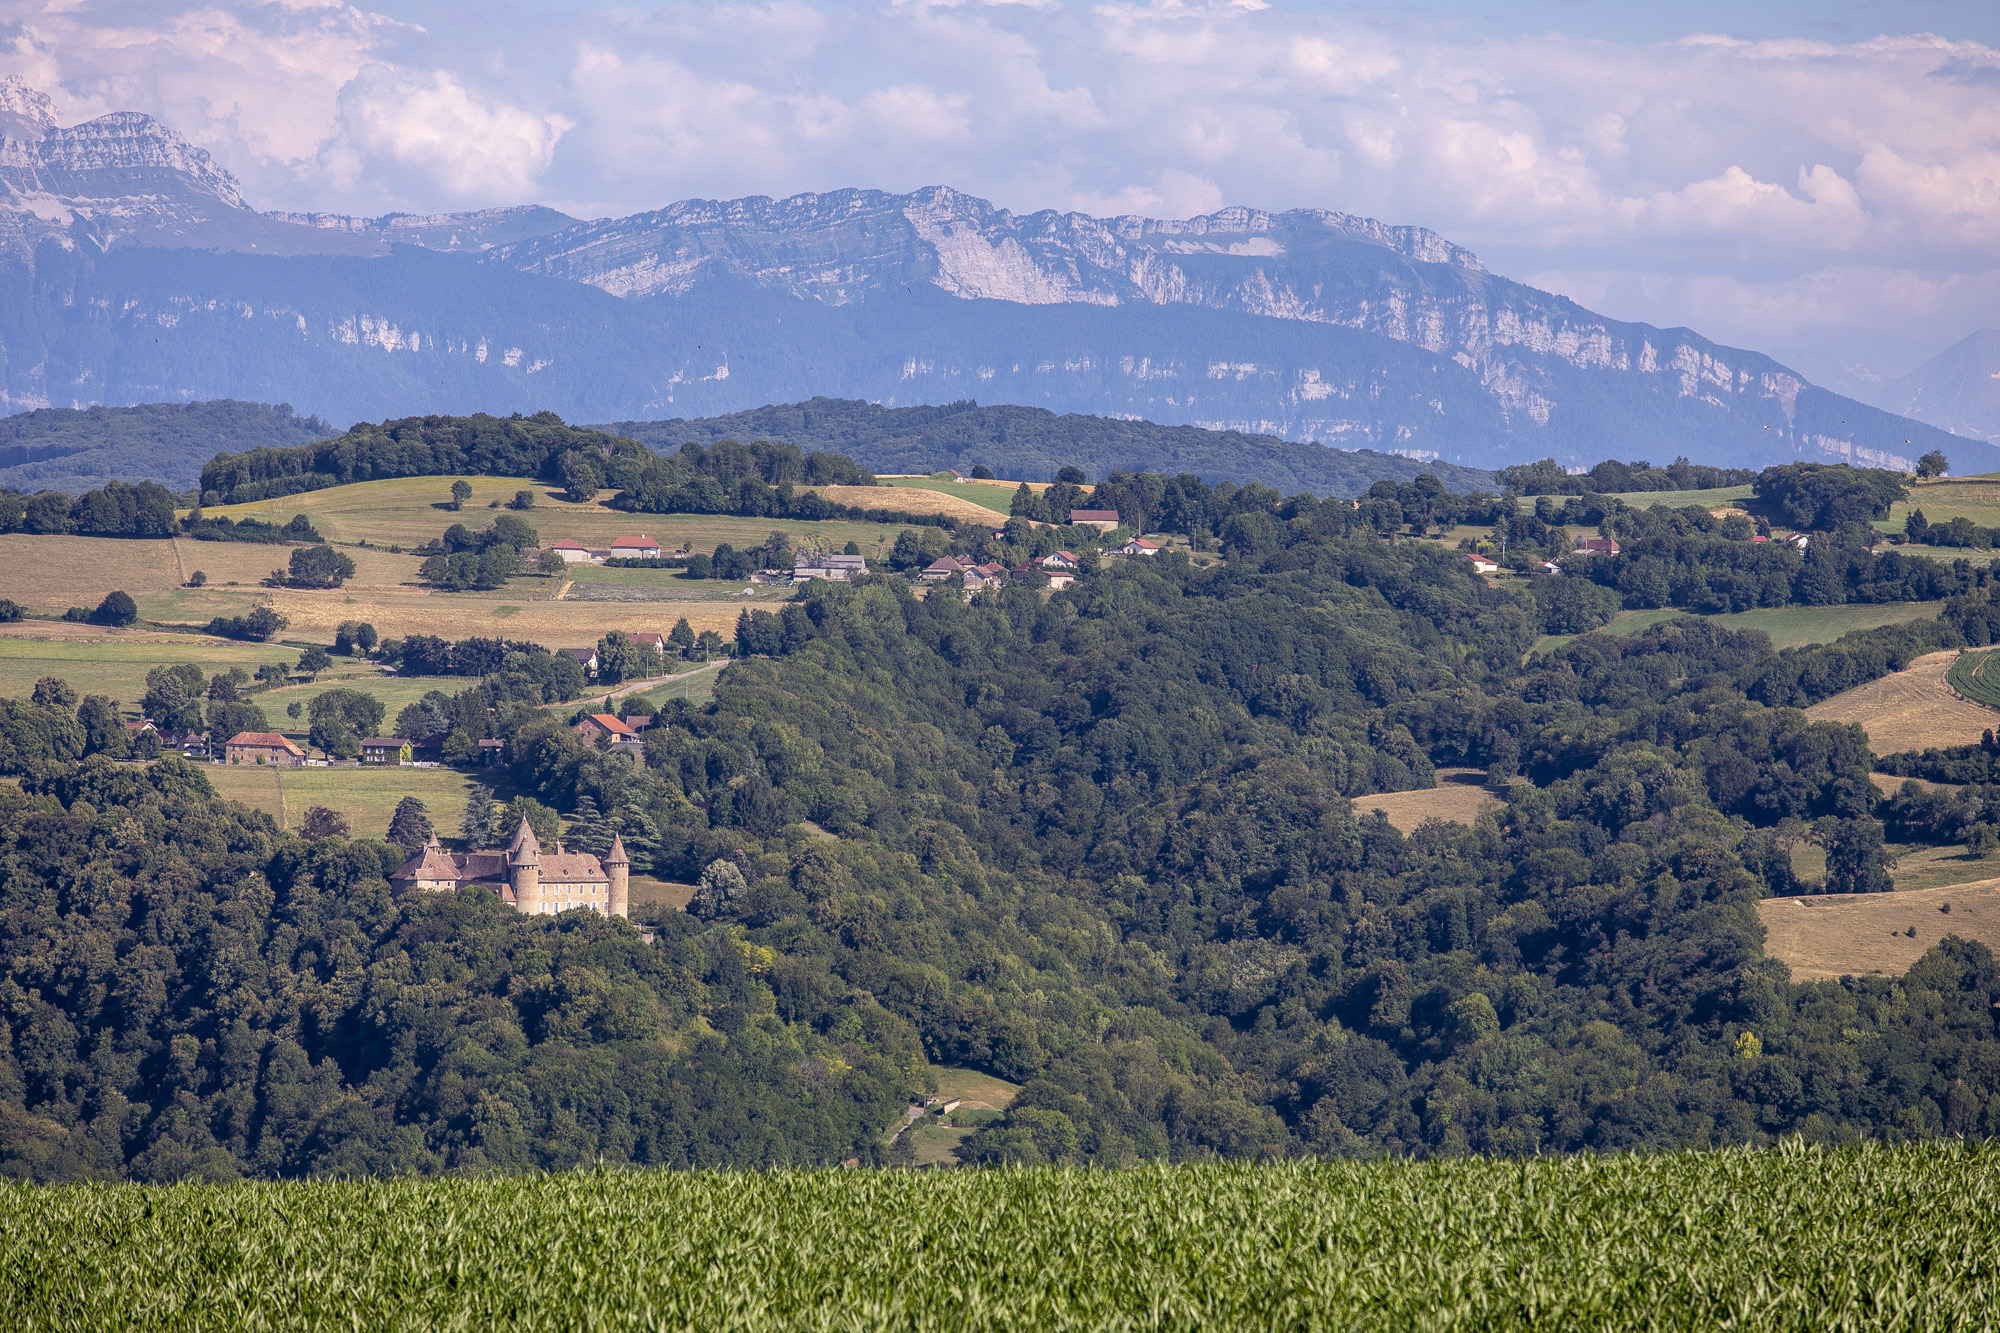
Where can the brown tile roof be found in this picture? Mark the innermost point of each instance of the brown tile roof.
(610, 723)
(383, 742)
(1093, 515)
(642, 542)
(430, 863)
(572, 868)
(266, 739)
(568, 544)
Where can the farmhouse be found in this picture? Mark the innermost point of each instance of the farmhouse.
(1597, 545)
(657, 642)
(1060, 560)
(941, 569)
(384, 750)
(583, 657)
(592, 726)
(262, 747)
(1481, 565)
(1139, 546)
(835, 568)
(572, 551)
(640, 547)
(526, 878)
(1104, 520)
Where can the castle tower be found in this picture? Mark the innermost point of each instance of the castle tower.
(524, 869)
(619, 867)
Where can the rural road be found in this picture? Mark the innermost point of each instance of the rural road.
(640, 686)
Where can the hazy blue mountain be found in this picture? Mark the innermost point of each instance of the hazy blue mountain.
(131, 270)
(1957, 390)
(1032, 444)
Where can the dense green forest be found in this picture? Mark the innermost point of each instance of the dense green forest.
(1612, 477)
(1031, 443)
(77, 449)
(1099, 842)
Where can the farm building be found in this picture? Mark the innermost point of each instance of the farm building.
(836, 568)
(1104, 520)
(262, 747)
(572, 551)
(1481, 565)
(1597, 545)
(640, 547)
(385, 750)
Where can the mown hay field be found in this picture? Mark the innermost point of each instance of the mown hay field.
(1459, 798)
(1866, 934)
(1911, 709)
(1973, 498)
(568, 623)
(921, 498)
(997, 497)
(1714, 498)
(404, 511)
(1795, 1238)
(55, 573)
(367, 796)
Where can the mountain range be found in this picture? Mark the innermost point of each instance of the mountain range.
(133, 270)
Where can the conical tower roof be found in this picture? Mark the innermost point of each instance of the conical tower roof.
(616, 856)
(526, 849)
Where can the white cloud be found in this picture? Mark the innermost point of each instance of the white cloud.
(1852, 189)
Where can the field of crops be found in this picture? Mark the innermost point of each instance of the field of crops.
(1794, 1238)
(367, 796)
(1977, 677)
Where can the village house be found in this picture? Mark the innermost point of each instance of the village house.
(1139, 546)
(1061, 578)
(593, 726)
(1104, 520)
(1597, 545)
(385, 750)
(1481, 565)
(492, 753)
(657, 642)
(262, 747)
(526, 878)
(834, 568)
(1060, 560)
(640, 547)
(583, 657)
(941, 569)
(989, 575)
(572, 551)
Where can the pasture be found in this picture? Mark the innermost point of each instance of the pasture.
(1788, 626)
(1976, 499)
(367, 795)
(1720, 497)
(1793, 1238)
(997, 497)
(1911, 709)
(115, 662)
(1868, 934)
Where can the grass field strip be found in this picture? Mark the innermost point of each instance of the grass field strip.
(1796, 1237)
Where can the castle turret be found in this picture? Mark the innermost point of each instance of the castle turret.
(619, 867)
(524, 869)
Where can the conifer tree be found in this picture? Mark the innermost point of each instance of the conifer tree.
(588, 830)
(642, 839)
(410, 826)
(476, 828)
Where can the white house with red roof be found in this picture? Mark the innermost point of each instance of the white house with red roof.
(640, 547)
(572, 551)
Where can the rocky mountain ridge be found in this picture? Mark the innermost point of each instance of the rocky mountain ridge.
(1311, 325)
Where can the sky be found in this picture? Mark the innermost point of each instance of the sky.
(1819, 181)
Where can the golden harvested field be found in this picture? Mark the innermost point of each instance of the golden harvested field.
(1862, 934)
(997, 497)
(399, 613)
(367, 796)
(1913, 709)
(115, 662)
(55, 573)
(645, 891)
(1889, 784)
(1459, 798)
(917, 499)
(403, 511)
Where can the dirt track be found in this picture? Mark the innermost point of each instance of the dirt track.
(1861, 934)
(1914, 709)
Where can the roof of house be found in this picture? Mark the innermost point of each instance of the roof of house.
(580, 654)
(568, 544)
(1092, 515)
(642, 541)
(383, 742)
(944, 565)
(492, 743)
(1142, 543)
(269, 739)
(648, 636)
(611, 723)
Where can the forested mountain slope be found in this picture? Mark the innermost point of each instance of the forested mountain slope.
(1031, 443)
(1101, 843)
(75, 449)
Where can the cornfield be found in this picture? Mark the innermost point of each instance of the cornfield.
(1791, 1238)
